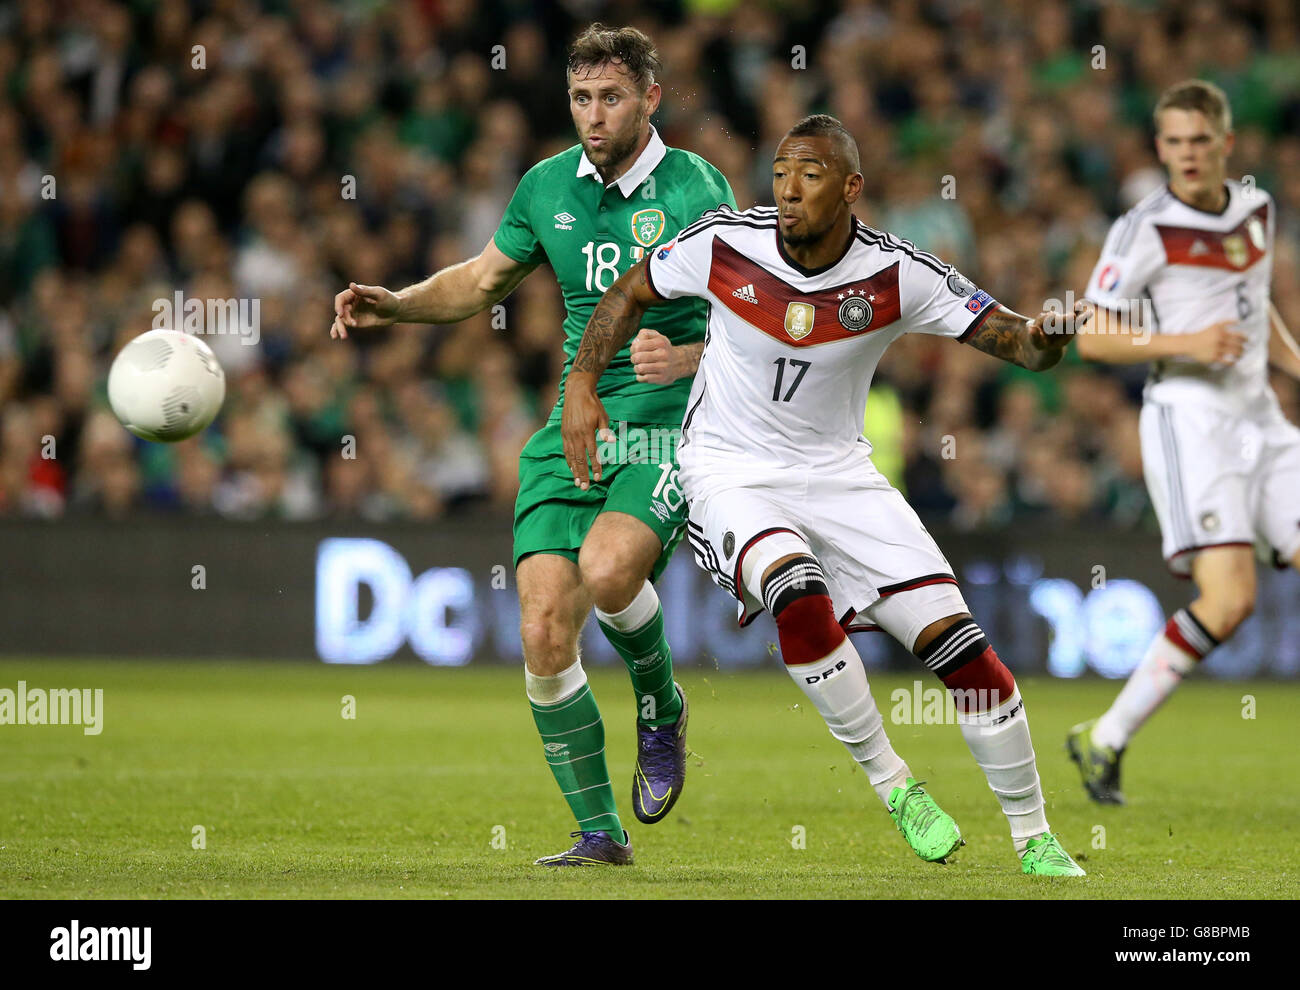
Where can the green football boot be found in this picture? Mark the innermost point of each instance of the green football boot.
(928, 829)
(1044, 857)
(1099, 765)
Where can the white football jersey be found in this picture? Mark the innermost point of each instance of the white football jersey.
(790, 351)
(1187, 269)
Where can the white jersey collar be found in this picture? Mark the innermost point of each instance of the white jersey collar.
(630, 180)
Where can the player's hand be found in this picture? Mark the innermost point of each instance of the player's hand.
(360, 306)
(1053, 331)
(583, 416)
(1217, 344)
(654, 358)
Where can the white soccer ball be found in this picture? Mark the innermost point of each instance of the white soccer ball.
(166, 386)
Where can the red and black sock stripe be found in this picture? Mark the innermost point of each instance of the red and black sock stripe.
(955, 647)
(1187, 633)
(798, 598)
(795, 578)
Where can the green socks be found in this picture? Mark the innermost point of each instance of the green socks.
(637, 633)
(573, 738)
(564, 709)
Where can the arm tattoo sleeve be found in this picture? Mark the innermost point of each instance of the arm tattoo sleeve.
(612, 324)
(1005, 335)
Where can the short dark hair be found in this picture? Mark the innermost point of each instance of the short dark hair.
(824, 125)
(628, 47)
(1197, 94)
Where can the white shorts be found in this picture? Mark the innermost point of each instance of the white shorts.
(884, 570)
(1221, 480)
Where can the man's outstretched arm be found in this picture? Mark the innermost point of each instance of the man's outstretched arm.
(1036, 344)
(612, 325)
(1112, 338)
(449, 296)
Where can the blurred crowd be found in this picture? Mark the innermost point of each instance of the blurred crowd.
(276, 149)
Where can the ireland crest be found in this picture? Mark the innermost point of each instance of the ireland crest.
(647, 226)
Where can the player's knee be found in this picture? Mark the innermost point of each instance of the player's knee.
(796, 593)
(548, 639)
(962, 658)
(611, 580)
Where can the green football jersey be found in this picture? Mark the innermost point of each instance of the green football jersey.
(562, 213)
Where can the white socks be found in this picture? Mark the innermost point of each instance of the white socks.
(553, 688)
(837, 687)
(639, 611)
(1154, 680)
(999, 741)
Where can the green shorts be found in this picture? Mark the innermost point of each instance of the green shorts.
(639, 477)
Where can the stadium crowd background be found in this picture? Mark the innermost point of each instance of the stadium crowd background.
(229, 181)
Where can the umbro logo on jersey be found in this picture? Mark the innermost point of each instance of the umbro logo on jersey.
(1198, 248)
(746, 292)
(564, 221)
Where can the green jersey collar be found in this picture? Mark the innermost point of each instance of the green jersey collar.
(630, 180)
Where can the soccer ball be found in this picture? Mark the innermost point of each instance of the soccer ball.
(166, 386)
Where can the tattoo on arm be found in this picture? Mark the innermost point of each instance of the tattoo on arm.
(999, 336)
(613, 323)
(1005, 335)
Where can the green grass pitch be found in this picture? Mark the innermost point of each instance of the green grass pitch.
(406, 799)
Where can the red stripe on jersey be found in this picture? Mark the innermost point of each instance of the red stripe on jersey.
(1234, 250)
(776, 304)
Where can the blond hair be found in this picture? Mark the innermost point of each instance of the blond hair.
(1197, 94)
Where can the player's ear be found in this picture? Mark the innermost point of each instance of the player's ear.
(1229, 141)
(652, 97)
(853, 188)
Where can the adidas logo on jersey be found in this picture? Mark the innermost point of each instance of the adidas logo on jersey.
(1199, 248)
(746, 292)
